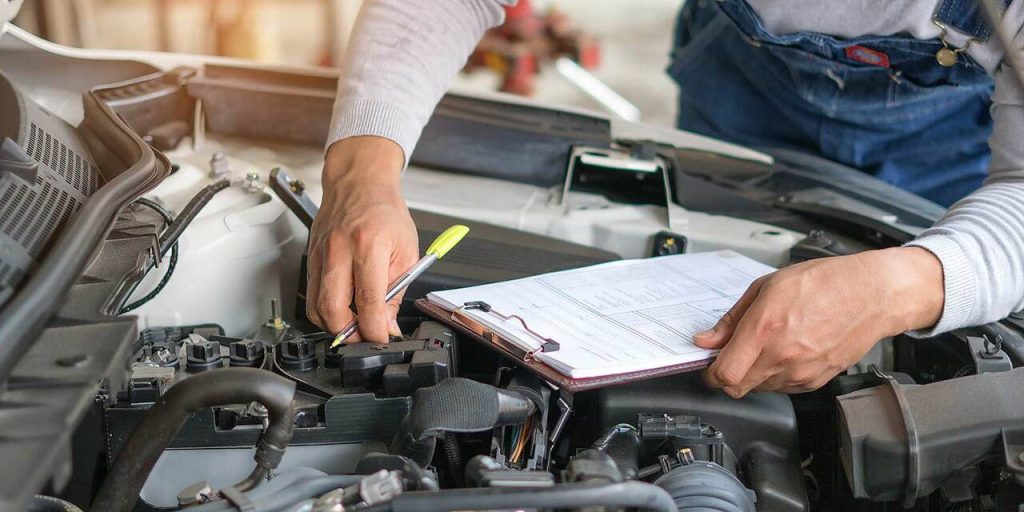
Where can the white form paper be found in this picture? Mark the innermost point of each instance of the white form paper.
(618, 317)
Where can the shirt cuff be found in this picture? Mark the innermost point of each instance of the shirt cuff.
(354, 117)
(959, 283)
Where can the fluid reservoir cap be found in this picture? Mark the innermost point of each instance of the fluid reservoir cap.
(297, 354)
(203, 354)
(246, 352)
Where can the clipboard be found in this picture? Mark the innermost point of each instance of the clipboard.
(527, 359)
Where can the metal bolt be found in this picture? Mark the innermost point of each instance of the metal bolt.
(685, 456)
(252, 181)
(219, 165)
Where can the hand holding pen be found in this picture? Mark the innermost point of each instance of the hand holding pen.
(437, 250)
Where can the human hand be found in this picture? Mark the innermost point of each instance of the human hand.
(795, 329)
(362, 239)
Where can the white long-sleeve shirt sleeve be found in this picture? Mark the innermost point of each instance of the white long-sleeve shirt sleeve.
(401, 59)
(980, 240)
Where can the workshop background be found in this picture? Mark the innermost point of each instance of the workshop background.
(623, 44)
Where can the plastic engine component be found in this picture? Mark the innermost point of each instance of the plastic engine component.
(297, 354)
(246, 352)
(203, 354)
(399, 367)
(901, 442)
(759, 429)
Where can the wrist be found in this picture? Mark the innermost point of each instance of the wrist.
(915, 294)
(363, 159)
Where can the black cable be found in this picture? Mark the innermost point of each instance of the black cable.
(171, 264)
(135, 461)
(160, 210)
(175, 227)
(453, 454)
(188, 214)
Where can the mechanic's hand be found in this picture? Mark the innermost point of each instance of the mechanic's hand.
(362, 239)
(795, 329)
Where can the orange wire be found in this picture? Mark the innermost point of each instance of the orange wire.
(526, 431)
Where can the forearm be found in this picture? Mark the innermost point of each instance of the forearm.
(402, 57)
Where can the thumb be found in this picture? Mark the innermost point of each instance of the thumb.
(393, 305)
(717, 336)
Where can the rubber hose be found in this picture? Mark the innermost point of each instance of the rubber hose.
(285, 497)
(188, 214)
(708, 487)
(131, 468)
(455, 405)
(562, 496)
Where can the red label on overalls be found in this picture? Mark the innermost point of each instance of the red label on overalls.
(867, 56)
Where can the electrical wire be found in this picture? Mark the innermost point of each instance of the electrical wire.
(189, 213)
(175, 227)
(524, 433)
(171, 263)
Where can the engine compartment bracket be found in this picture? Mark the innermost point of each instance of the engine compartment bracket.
(1013, 453)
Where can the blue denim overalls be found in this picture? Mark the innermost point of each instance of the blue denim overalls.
(880, 104)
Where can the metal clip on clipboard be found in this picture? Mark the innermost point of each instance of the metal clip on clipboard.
(460, 317)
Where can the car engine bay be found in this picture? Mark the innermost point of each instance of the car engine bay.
(156, 354)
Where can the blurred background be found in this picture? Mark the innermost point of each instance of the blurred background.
(564, 52)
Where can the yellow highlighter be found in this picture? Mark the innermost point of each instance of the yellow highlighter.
(438, 248)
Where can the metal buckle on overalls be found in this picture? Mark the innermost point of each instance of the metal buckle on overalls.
(947, 55)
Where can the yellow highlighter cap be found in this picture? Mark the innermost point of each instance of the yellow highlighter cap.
(447, 240)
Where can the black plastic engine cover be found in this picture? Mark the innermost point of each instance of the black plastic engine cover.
(760, 429)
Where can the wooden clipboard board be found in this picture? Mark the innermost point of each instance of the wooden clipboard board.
(526, 360)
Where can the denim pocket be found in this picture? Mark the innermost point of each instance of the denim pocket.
(911, 86)
(907, 90)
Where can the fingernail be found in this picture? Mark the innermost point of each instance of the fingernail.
(733, 392)
(709, 332)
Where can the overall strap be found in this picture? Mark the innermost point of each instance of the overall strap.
(966, 16)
